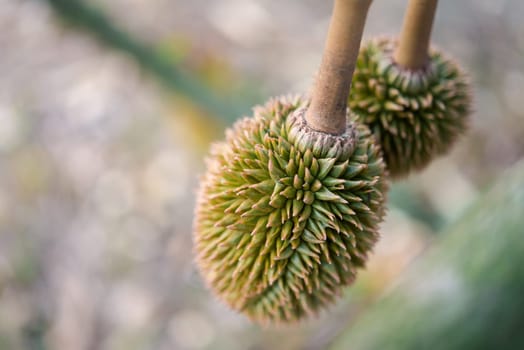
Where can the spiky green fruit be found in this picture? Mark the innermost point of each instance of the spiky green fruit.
(415, 114)
(286, 214)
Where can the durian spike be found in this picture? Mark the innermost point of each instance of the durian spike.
(327, 111)
(413, 46)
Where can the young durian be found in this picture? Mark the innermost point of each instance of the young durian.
(287, 214)
(289, 207)
(416, 115)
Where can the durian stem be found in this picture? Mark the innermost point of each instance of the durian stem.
(327, 111)
(413, 46)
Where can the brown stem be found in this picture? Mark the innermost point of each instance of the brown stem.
(413, 46)
(327, 111)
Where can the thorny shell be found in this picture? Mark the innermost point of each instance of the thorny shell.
(416, 115)
(285, 214)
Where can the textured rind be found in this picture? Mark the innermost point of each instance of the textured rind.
(415, 114)
(285, 215)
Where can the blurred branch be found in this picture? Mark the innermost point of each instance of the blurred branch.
(403, 197)
(34, 333)
(174, 77)
(465, 293)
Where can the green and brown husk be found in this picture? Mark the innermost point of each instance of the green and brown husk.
(286, 215)
(415, 114)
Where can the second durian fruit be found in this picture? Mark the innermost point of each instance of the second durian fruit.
(416, 115)
(286, 214)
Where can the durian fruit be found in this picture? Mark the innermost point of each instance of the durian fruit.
(415, 114)
(286, 214)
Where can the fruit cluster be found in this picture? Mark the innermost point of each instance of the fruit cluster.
(288, 212)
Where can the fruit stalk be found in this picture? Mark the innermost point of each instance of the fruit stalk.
(327, 111)
(412, 50)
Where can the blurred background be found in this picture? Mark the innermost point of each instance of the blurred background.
(107, 109)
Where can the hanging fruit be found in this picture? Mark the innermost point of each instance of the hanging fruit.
(416, 101)
(289, 207)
